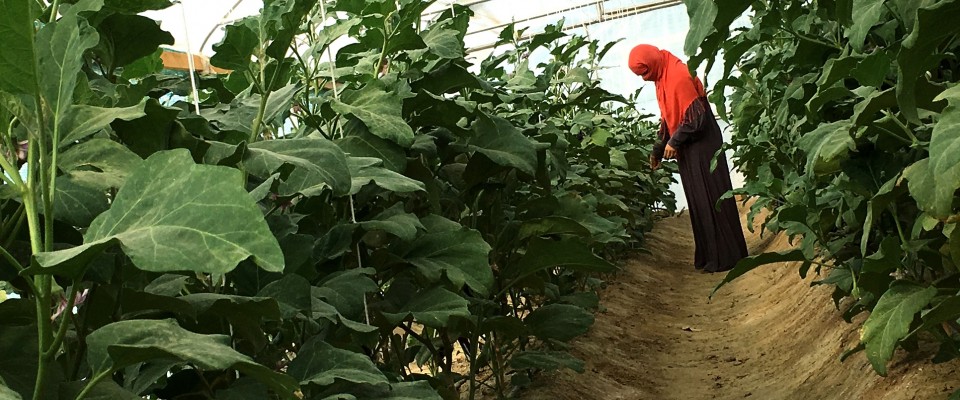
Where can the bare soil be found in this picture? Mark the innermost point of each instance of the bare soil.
(767, 335)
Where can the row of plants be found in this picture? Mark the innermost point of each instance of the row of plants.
(845, 119)
(387, 221)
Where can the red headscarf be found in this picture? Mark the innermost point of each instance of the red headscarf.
(676, 89)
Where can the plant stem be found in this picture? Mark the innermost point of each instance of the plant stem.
(62, 330)
(54, 10)
(93, 383)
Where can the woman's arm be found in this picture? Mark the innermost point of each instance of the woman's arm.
(693, 120)
(658, 149)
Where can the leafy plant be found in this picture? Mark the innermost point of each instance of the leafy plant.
(323, 225)
(842, 113)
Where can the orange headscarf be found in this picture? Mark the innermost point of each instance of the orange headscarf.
(676, 89)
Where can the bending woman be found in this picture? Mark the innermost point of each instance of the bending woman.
(689, 133)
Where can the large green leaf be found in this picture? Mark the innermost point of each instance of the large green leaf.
(935, 199)
(237, 46)
(933, 24)
(504, 144)
(365, 170)
(443, 42)
(359, 142)
(568, 253)
(890, 321)
(123, 343)
(83, 120)
(867, 15)
(461, 255)
(78, 202)
(320, 363)
(395, 221)
(378, 109)
(826, 146)
(318, 163)
(174, 215)
(418, 390)
(750, 263)
(432, 308)
(702, 14)
(945, 151)
(99, 163)
(18, 68)
(561, 322)
(60, 47)
(126, 38)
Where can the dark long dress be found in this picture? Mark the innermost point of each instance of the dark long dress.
(716, 230)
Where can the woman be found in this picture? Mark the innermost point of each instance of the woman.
(689, 133)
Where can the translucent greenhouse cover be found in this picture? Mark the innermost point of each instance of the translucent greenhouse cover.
(198, 24)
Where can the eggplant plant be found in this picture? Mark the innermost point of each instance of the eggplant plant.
(380, 222)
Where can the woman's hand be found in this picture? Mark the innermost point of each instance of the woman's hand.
(670, 152)
(654, 162)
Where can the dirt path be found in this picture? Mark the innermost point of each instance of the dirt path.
(765, 336)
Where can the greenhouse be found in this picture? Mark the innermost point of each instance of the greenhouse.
(479, 199)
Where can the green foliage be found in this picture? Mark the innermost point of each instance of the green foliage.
(290, 240)
(844, 116)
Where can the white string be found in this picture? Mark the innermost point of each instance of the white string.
(193, 82)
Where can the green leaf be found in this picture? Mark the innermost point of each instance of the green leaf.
(174, 215)
(750, 263)
(18, 344)
(933, 198)
(8, 394)
(552, 225)
(150, 133)
(918, 53)
(503, 143)
(359, 142)
(236, 48)
(546, 361)
(126, 38)
(135, 6)
(18, 68)
(702, 14)
(395, 221)
(60, 49)
(379, 110)
(568, 253)
(318, 163)
(462, 255)
(945, 149)
(364, 170)
(292, 292)
(887, 194)
(890, 321)
(562, 322)
(104, 390)
(99, 163)
(320, 363)
(867, 15)
(83, 120)
(78, 202)
(419, 390)
(443, 42)
(123, 343)
(826, 146)
(432, 308)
